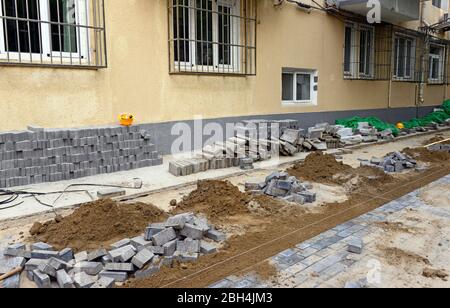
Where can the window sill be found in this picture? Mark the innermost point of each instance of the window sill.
(298, 104)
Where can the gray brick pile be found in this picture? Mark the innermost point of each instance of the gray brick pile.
(391, 163)
(183, 238)
(282, 186)
(49, 155)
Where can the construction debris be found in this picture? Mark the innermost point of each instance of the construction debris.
(281, 185)
(392, 163)
(184, 237)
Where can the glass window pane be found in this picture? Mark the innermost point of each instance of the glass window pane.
(402, 56)
(204, 20)
(303, 87)
(288, 87)
(21, 36)
(224, 35)
(348, 49)
(409, 58)
(64, 37)
(362, 51)
(435, 69)
(181, 30)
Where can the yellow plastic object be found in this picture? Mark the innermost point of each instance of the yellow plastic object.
(400, 126)
(126, 119)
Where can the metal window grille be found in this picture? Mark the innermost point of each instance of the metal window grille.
(436, 61)
(54, 33)
(215, 37)
(388, 52)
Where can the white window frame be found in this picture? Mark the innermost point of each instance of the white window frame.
(313, 91)
(396, 53)
(82, 37)
(440, 59)
(355, 60)
(191, 65)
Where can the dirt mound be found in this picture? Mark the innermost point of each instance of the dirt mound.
(436, 139)
(396, 256)
(320, 168)
(95, 224)
(425, 155)
(215, 199)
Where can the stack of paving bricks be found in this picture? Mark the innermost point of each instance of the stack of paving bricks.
(183, 238)
(440, 147)
(253, 140)
(48, 155)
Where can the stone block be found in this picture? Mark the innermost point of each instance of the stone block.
(41, 246)
(121, 243)
(66, 254)
(96, 255)
(42, 280)
(33, 264)
(84, 281)
(104, 283)
(310, 197)
(178, 221)
(186, 257)
(47, 269)
(59, 264)
(170, 248)
(188, 246)
(215, 235)
(355, 246)
(207, 248)
(192, 232)
(119, 267)
(165, 236)
(153, 229)
(117, 276)
(90, 268)
(43, 254)
(64, 280)
(148, 272)
(157, 250)
(142, 258)
(139, 241)
(81, 256)
(123, 254)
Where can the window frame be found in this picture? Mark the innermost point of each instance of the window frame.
(313, 86)
(45, 36)
(395, 56)
(191, 65)
(355, 51)
(441, 64)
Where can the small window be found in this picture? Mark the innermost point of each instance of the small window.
(404, 58)
(299, 86)
(436, 64)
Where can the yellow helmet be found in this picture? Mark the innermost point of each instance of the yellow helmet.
(400, 125)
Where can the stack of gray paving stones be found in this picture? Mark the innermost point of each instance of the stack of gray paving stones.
(184, 238)
(281, 185)
(391, 163)
(49, 155)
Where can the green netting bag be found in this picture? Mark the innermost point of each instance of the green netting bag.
(373, 121)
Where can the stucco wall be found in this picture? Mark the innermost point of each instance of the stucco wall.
(137, 78)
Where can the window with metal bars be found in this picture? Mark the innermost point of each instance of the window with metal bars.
(436, 64)
(53, 33)
(212, 36)
(359, 51)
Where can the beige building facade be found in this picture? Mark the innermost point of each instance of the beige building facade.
(136, 73)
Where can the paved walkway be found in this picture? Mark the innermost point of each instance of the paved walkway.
(402, 228)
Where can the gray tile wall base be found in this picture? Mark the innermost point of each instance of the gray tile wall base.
(162, 132)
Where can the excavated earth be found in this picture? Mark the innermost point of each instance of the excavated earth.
(261, 227)
(96, 224)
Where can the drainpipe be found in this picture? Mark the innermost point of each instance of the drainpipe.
(421, 99)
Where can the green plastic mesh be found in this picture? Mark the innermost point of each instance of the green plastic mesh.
(434, 117)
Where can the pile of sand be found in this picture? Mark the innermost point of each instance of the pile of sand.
(95, 224)
(427, 156)
(216, 200)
